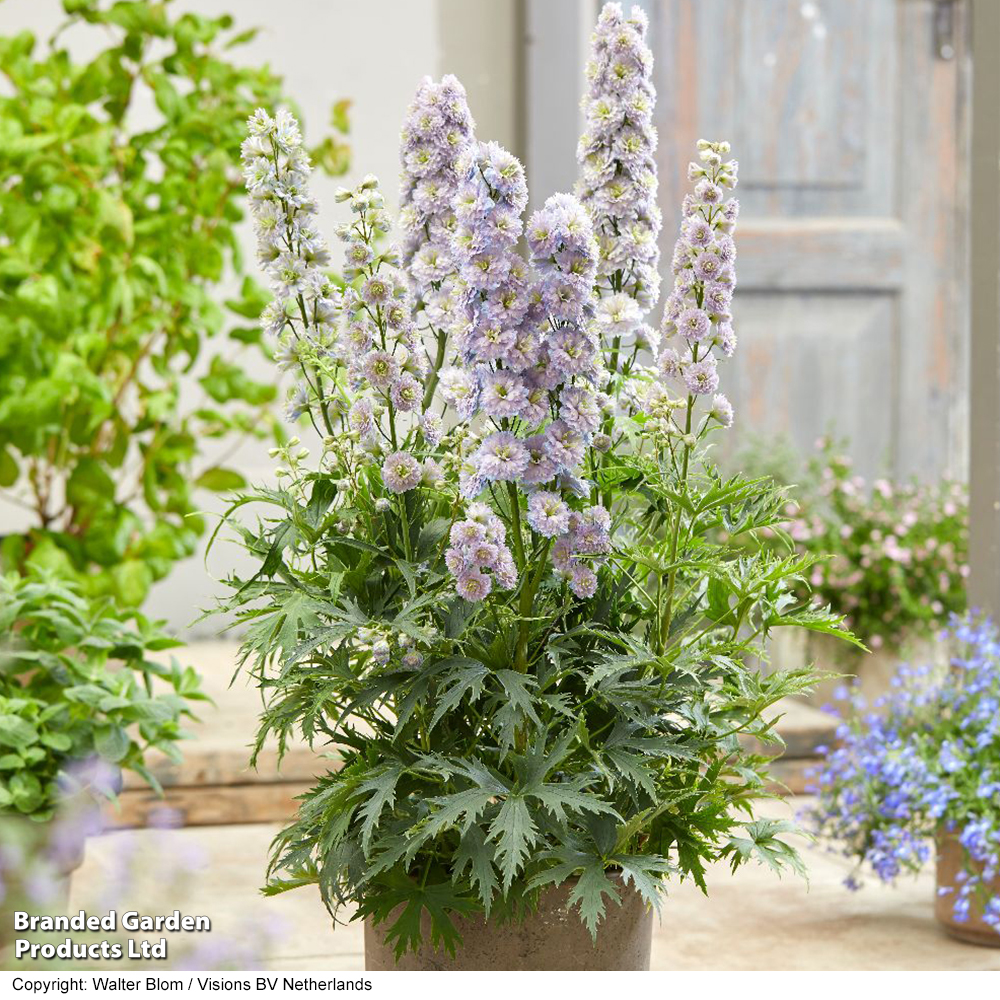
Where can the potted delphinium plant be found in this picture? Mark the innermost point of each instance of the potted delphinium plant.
(898, 561)
(919, 779)
(493, 595)
(80, 700)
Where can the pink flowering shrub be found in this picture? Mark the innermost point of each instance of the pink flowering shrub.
(898, 552)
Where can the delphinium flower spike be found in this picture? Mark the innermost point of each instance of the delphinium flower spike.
(437, 130)
(697, 322)
(378, 344)
(527, 360)
(618, 183)
(358, 349)
(306, 304)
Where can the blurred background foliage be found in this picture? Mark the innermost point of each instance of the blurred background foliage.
(118, 243)
(895, 553)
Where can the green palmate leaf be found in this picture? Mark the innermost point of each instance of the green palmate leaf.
(476, 853)
(589, 893)
(380, 789)
(460, 809)
(646, 872)
(438, 900)
(761, 843)
(816, 620)
(633, 769)
(514, 832)
(557, 797)
(465, 681)
(518, 705)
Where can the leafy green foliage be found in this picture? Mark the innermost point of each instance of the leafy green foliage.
(561, 728)
(109, 288)
(77, 685)
(894, 555)
(462, 784)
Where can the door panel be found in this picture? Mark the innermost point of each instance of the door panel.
(850, 132)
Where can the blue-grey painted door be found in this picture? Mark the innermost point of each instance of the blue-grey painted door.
(848, 119)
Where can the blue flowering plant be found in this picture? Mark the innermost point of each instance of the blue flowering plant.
(923, 763)
(493, 595)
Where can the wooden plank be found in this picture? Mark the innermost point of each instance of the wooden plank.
(933, 355)
(206, 763)
(832, 254)
(208, 805)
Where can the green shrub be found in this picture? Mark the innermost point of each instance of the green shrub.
(77, 686)
(120, 238)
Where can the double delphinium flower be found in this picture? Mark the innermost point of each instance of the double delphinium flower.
(697, 322)
(618, 183)
(357, 349)
(437, 131)
(478, 554)
(922, 763)
(303, 314)
(526, 359)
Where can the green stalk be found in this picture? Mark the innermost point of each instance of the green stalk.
(432, 381)
(515, 516)
(672, 579)
(527, 596)
(406, 527)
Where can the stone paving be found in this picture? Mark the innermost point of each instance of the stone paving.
(750, 921)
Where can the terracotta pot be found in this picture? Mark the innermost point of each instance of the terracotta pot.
(951, 859)
(552, 939)
(30, 868)
(795, 647)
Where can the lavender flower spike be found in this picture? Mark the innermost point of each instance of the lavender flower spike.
(618, 184)
(437, 131)
(697, 320)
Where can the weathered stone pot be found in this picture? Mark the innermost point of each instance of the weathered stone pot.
(552, 939)
(796, 647)
(951, 859)
(36, 866)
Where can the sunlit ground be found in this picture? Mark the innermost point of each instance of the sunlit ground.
(751, 921)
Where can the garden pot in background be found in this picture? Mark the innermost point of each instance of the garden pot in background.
(37, 861)
(797, 647)
(950, 862)
(551, 939)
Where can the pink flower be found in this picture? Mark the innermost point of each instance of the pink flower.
(401, 472)
(473, 585)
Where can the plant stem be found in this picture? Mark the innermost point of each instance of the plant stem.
(515, 516)
(527, 596)
(404, 517)
(672, 579)
(432, 380)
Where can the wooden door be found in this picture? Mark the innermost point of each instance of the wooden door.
(848, 120)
